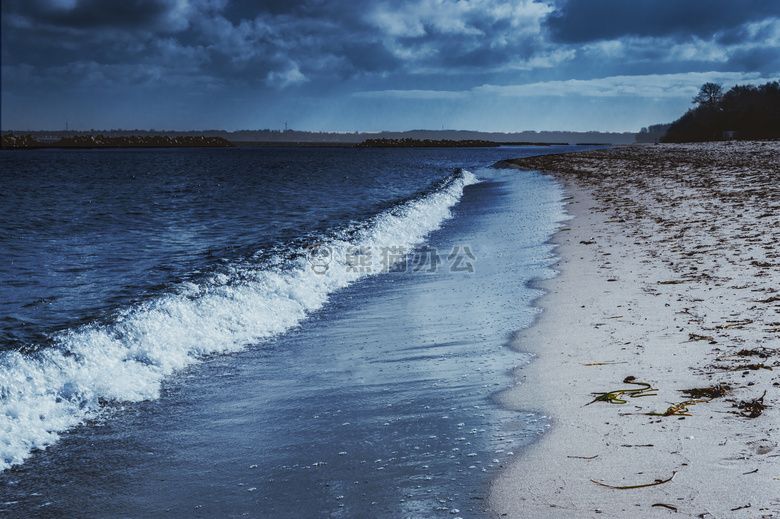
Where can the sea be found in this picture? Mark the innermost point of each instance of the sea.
(265, 332)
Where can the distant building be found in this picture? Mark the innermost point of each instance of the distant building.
(729, 135)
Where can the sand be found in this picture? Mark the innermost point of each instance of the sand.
(669, 273)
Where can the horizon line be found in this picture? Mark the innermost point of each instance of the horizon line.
(335, 132)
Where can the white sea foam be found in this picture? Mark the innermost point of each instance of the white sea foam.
(44, 394)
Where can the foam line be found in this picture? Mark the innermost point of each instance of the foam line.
(46, 393)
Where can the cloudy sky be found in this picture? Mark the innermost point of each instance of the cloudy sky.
(367, 65)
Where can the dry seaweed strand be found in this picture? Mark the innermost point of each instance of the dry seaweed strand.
(628, 487)
(754, 367)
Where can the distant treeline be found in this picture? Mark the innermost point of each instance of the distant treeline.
(652, 133)
(10, 141)
(745, 112)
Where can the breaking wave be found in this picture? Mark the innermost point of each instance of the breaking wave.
(55, 388)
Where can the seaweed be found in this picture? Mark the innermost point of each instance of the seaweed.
(753, 367)
(752, 408)
(772, 299)
(696, 394)
(627, 487)
(680, 409)
(613, 397)
(707, 392)
(735, 324)
(697, 337)
(754, 353)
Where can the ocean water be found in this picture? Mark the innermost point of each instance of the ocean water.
(264, 332)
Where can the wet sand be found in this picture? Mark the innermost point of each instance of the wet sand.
(669, 273)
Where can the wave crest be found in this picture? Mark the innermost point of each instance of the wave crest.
(56, 388)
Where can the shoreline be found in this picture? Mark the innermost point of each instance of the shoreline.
(100, 141)
(667, 273)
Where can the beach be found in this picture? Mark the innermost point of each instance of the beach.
(668, 281)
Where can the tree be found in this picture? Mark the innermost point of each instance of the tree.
(753, 112)
(709, 95)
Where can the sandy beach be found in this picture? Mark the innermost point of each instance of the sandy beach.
(668, 282)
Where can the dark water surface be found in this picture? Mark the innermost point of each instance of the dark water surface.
(214, 373)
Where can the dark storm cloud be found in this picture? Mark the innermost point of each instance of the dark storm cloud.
(368, 57)
(755, 59)
(755, 33)
(271, 42)
(92, 14)
(226, 39)
(247, 9)
(579, 21)
(282, 43)
(167, 39)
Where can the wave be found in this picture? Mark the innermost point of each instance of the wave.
(45, 393)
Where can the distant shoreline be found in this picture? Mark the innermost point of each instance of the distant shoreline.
(415, 143)
(295, 138)
(11, 141)
(100, 141)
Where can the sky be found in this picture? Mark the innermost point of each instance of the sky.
(373, 65)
